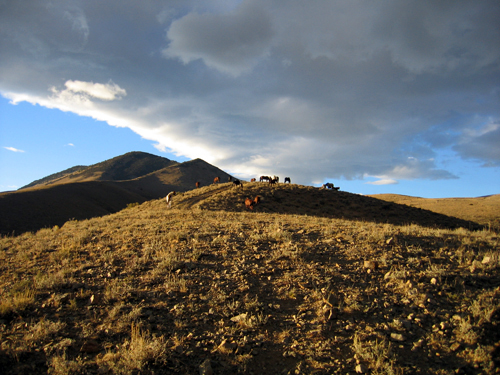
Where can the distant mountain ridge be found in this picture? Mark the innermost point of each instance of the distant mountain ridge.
(54, 176)
(103, 188)
(124, 167)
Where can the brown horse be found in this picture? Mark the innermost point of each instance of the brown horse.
(253, 180)
(216, 180)
(250, 204)
(197, 184)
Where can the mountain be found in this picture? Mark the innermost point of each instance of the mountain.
(99, 189)
(125, 167)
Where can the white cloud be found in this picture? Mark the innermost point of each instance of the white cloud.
(13, 149)
(108, 91)
(383, 181)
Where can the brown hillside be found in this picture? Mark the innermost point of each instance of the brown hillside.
(54, 204)
(483, 210)
(124, 167)
(311, 201)
(206, 291)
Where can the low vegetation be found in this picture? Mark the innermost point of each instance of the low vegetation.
(207, 287)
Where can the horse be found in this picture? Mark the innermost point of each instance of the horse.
(237, 183)
(287, 179)
(253, 180)
(169, 198)
(216, 180)
(250, 204)
(330, 186)
(197, 184)
(274, 180)
(264, 178)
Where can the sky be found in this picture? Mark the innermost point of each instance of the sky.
(391, 96)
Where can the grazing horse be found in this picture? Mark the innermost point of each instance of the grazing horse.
(216, 180)
(253, 180)
(274, 180)
(237, 183)
(197, 184)
(169, 199)
(287, 179)
(264, 178)
(330, 186)
(250, 204)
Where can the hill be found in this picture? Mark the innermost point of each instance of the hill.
(207, 287)
(124, 167)
(89, 195)
(483, 210)
(55, 176)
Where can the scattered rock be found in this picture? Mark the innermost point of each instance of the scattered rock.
(239, 318)
(206, 368)
(486, 260)
(90, 346)
(370, 264)
(398, 337)
(361, 369)
(433, 281)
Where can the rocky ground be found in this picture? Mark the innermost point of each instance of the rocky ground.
(196, 290)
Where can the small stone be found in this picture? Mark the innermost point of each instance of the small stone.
(361, 369)
(239, 318)
(90, 346)
(454, 347)
(370, 264)
(433, 281)
(206, 368)
(398, 337)
(486, 260)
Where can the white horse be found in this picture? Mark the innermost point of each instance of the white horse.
(169, 199)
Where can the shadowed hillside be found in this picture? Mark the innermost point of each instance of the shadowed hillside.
(124, 167)
(54, 204)
(311, 201)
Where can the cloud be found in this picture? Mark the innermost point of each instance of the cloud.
(108, 91)
(13, 149)
(312, 91)
(384, 181)
(232, 42)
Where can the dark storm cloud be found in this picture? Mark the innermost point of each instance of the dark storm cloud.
(314, 89)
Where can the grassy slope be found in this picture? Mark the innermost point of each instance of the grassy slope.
(154, 290)
(483, 210)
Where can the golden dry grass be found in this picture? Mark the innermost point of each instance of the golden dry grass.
(150, 290)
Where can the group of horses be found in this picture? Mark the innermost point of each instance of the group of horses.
(269, 179)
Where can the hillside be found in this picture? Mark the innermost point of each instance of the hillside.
(311, 281)
(124, 167)
(55, 177)
(54, 203)
(483, 210)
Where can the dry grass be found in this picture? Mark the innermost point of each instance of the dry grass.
(150, 290)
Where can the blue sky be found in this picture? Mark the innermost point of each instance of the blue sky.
(376, 98)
